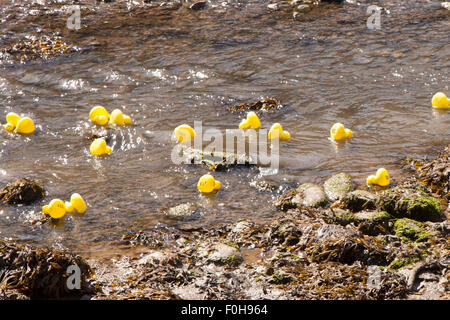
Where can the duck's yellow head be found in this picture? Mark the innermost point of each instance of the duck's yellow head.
(184, 133)
(208, 184)
(98, 147)
(252, 121)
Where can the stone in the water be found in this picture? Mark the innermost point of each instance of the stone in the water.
(23, 191)
(338, 186)
(183, 211)
(310, 195)
(411, 203)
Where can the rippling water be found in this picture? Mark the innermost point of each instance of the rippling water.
(166, 66)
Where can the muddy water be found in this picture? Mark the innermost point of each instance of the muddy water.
(167, 65)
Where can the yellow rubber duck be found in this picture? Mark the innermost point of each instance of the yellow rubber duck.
(117, 118)
(19, 125)
(339, 132)
(440, 101)
(184, 133)
(381, 178)
(208, 184)
(276, 132)
(98, 147)
(76, 203)
(55, 209)
(99, 115)
(252, 121)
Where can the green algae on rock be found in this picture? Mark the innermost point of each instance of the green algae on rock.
(411, 203)
(23, 191)
(411, 230)
(338, 186)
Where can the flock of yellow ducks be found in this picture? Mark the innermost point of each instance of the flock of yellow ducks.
(183, 134)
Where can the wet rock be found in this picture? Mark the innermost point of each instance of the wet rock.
(411, 203)
(199, 5)
(24, 191)
(217, 161)
(307, 194)
(224, 254)
(411, 230)
(310, 195)
(338, 186)
(186, 211)
(41, 273)
(267, 104)
(44, 47)
(445, 5)
(359, 200)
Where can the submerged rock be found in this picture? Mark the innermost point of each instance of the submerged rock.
(183, 211)
(411, 203)
(338, 186)
(22, 191)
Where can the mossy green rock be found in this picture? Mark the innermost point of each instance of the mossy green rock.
(338, 186)
(310, 195)
(343, 217)
(359, 200)
(411, 203)
(411, 230)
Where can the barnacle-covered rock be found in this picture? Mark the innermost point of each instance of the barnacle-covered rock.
(338, 186)
(23, 191)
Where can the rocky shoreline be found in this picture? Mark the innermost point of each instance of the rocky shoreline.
(330, 242)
